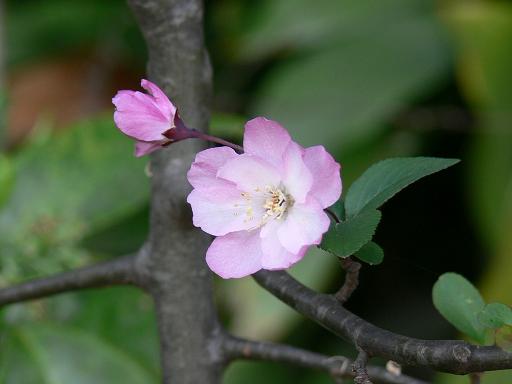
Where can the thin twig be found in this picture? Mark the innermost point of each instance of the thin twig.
(338, 367)
(217, 140)
(450, 356)
(359, 368)
(351, 268)
(115, 272)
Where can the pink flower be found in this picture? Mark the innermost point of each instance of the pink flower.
(145, 117)
(267, 205)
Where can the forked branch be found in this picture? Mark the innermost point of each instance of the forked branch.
(360, 368)
(336, 366)
(450, 356)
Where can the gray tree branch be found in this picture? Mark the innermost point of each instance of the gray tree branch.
(174, 269)
(119, 271)
(450, 356)
(360, 368)
(351, 282)
(336, 366)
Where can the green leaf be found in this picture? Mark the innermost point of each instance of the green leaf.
(370, 253)
(344, 76)
(6, 179)
(495, 315)
(37, 30)
(482, 32)
(338, 208)
(68, 185)
(384, 179)
(347, 237)
(50, 354)
(460, 303)
(504, 338)
(109, 314)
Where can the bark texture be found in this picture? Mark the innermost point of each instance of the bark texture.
(172, 267)
(450, 356)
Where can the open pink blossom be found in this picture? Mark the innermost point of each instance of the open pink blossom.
(267, 205)
(146, 117)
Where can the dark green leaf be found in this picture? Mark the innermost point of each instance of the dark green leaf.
(41, 29)
(370, 253)
(347, 237)
(495, 315)
(349, 76)
(383, 180)
(338, 208)
(60, 355)
(278, 24)
(460, 303)
(109, 315)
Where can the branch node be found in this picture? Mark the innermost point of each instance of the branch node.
(327, 311)
(359, 368)
(351, 282)
(475, 378)
(339, 367)
(394, 368)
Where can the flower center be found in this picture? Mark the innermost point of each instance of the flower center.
(264, 204)
(276, 203)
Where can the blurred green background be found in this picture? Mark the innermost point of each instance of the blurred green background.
(369, 79)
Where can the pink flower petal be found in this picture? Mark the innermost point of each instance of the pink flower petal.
(222, 212)
(203, 172)
(144, 147)
(275, 256)
(326, 186)
(249, 173)
(237, 254)
(231, 200)
(304, 225)
(160, 98)
(266, 139)
(297, 177)
(137, 116)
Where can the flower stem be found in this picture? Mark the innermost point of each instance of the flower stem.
(217, 140)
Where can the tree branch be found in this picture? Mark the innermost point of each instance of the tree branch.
(119, 271)
(474, 378)
(174, 269)
(450, 356)
(359, 368)
(351, 282)
(336, 366)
